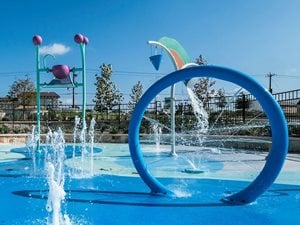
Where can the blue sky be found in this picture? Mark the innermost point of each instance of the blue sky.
(255, 37)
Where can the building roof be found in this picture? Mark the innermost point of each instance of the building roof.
(49, 94)
(7, 99)
(42, 94)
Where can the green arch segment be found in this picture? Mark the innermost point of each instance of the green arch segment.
(177, 51)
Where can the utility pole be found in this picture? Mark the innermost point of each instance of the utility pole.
(270, 75)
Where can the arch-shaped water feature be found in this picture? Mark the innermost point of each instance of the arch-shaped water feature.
(273, 111)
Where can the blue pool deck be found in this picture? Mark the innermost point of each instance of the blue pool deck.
(117, 196)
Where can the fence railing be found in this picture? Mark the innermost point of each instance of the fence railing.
(228, 111)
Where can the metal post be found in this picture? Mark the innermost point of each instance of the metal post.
(73, 94)
(156, 110)
(13, 112)
(172, 111)
(244, 108)
(119, 116)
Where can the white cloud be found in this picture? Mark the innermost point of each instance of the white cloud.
(292, 71)
(55, 49)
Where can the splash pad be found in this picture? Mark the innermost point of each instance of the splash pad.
(116, 188)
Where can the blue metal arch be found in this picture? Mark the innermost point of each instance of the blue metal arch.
(273, 111)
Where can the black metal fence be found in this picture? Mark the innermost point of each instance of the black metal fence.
(228, 111)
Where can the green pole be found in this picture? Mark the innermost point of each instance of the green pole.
(82, 48)
(38, 100)
(37, 41)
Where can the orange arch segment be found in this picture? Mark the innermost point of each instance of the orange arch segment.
(178, 60)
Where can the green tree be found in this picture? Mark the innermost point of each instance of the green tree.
(107, 94)
(203, 90)
(136, 94)
(200, 60)
(203, 87)
(24, 91)
(221, 99)
(242, 102)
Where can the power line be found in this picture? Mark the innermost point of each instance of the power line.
(14, 73)
(115, 73)
(129, 73)
(290, 76)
